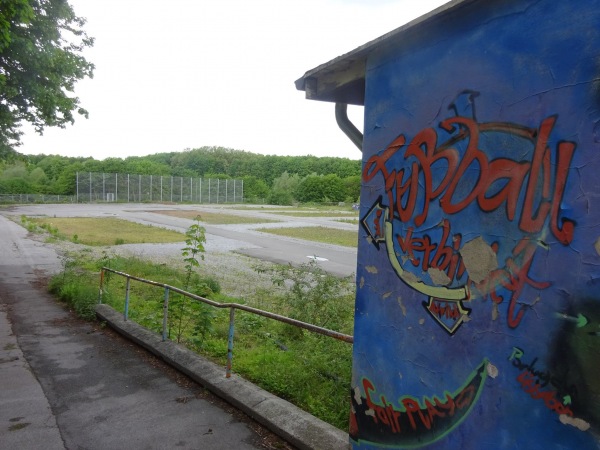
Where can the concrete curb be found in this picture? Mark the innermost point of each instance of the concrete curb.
(296, 426)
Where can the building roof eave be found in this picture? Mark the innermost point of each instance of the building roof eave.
(342, 80)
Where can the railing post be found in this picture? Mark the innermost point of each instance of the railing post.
(126, 314)
(165, 314)
(230, 343)
(101, 286)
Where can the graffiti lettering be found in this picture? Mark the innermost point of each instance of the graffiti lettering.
(514, 277)
(533, 381)
(445, 310)
(442, 256)
(418, 415)
(542, 378)
(449, 314)
(519, 177)
(378, 215)
(461, 168)
(412, 420)
(534, 389)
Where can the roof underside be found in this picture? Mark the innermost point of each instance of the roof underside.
(342, 80)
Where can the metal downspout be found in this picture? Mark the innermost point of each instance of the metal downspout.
(341, 117)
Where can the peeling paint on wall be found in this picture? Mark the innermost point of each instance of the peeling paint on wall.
(479, 258)
(438, 276)
(597, 245)
(575, 422)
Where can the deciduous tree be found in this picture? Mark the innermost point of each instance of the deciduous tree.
(41, 46)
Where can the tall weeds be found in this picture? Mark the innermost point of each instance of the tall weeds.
(309, 370)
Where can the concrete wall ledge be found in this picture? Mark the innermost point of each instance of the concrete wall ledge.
(296, 426)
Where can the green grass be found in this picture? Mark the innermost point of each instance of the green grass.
(213, 218)
(352, 221)
(318, 213)
(318, 234)
(305, 210)
(104, 231)
(308, 370)
(267, 208)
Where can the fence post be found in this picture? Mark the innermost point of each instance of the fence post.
(126, 314)
(165, 314)
(101, 286)
(230, 343)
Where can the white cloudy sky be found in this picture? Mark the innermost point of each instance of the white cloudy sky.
(180, 74)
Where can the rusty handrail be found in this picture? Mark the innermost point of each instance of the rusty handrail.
(232, 307)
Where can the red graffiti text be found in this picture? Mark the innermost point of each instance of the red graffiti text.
(535, 181)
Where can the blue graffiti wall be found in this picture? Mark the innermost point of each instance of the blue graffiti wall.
(478, 284)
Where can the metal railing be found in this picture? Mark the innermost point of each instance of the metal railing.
(232, 307)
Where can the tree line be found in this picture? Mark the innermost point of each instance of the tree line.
(274, 179)
(42, 43)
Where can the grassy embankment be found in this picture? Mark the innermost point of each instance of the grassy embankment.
(309, 370)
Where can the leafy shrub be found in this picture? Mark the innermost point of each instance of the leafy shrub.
(77, 290)
(313, 295)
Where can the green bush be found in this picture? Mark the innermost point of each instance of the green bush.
(321, 188)
(313, 295)
(77, 290)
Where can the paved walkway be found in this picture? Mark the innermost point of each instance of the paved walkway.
(69, 384)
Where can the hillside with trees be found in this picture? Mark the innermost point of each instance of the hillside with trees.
(42, 43)
(281, 180)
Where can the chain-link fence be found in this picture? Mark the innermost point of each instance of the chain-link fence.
(35, 198)
(128, 188)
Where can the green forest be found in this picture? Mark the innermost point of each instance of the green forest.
(279, 180)
(42, 47)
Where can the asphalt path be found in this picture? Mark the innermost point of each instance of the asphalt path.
(72, 384)
(242, 238)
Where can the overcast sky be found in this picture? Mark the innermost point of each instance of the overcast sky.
(190, 73)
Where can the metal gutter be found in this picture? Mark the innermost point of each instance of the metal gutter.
(341, 116)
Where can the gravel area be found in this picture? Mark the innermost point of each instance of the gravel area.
(220, 260)
(223, 256)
